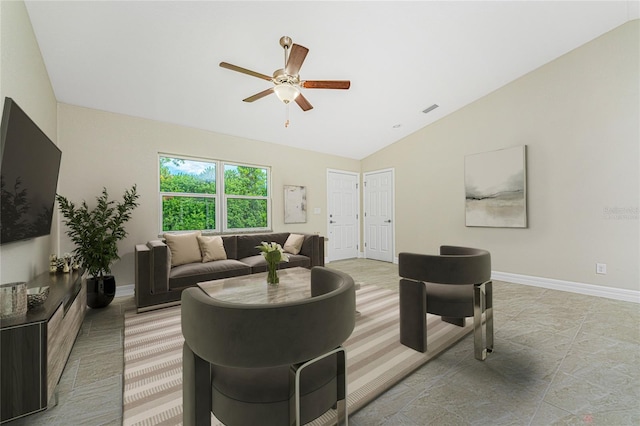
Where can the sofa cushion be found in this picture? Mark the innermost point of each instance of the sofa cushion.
(212, 248)
(184, 248)
(257, 263)
(230, 246)
(190, 274)
(298, 260)
(247, 243)
(293, 243)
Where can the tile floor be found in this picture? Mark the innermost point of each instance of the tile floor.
(559, 358)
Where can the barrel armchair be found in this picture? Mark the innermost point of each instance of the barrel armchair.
(267, 364)
(455, 284)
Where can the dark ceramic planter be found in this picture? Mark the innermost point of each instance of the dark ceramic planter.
(100, 291)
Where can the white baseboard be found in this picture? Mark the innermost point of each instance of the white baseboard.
(125, 290)
(570, 286)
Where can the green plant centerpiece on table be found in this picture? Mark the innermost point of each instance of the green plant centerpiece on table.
(273, 254)
(96, 234)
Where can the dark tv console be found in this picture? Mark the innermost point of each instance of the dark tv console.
(34, 348)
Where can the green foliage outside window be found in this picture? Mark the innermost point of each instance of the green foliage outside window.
(246, 213)
(203, 182)
(181, 181)
(188, 213)
(243, 180)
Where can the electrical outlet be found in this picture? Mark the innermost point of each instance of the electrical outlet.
(601, 268)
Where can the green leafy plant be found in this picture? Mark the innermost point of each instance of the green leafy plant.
(96, 232)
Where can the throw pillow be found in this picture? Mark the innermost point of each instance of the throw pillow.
(212, 248)
(184, 248)
(293, 243)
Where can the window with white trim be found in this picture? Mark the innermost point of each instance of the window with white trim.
(213, 195)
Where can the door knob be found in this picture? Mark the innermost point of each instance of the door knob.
(388, 221)
(331, 221)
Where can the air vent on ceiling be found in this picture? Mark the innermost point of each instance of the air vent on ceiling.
(431, 108)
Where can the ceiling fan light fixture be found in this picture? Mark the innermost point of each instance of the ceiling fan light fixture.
(286, 92)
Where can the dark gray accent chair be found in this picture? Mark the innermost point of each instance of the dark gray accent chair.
(242, 361)
(455, 285)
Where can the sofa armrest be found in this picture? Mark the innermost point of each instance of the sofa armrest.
(160, 265)
(320, 251)
(313, 247)
(142, 272)
(152, 264)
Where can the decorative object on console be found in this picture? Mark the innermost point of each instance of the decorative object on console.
(287, 80)
(53, 263)
(68, 260)
(36, 296)
(496, 188)
(13, 299)
(295, 204)
(273, 254)
(96, 234)
(64, 263)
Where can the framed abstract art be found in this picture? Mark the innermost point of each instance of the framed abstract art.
(495, 185)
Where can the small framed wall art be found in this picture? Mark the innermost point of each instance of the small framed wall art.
(495, 186)
(295, 204)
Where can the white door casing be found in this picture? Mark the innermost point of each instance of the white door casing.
(378, 215)
(343, 215)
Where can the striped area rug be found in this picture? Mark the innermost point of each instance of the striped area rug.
(375, 358)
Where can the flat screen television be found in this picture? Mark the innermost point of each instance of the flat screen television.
(29, 167)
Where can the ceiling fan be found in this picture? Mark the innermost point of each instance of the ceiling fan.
(287, 82)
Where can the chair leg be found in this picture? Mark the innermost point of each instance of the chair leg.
(196, 389)
(342, 388)
(342, 383)
(413, 314)
(482, 335)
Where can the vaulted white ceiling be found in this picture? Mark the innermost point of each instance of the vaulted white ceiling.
(159, 60)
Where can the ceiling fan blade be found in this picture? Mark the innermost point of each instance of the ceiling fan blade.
(296, 58)
(244, 71)
(326, 84)
(259, 95)
(303, 103)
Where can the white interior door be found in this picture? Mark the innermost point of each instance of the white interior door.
(378, 215)
(342, 215)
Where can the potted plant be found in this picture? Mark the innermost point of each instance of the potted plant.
(96, 233)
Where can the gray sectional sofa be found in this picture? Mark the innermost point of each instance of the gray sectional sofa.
(157, 282)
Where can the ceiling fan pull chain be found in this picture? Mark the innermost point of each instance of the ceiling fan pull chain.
(286, 123)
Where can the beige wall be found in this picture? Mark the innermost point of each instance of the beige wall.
(24, 78)
(579, 117)
(116, 151)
